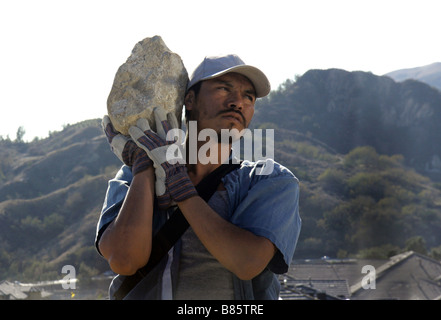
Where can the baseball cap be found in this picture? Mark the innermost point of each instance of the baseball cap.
(216, 66)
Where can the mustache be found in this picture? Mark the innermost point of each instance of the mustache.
(235, 111)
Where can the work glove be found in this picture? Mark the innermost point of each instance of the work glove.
(172, 181)
(125, 149)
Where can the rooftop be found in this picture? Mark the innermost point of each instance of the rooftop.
(406, 276)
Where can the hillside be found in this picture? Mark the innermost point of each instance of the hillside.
(351, 109)
(430, 74)
(51, 192)
(362, 203)
(349, 137)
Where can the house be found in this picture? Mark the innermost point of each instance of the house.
(406, 276)
(18, 291)
(10, 291)
(292, 289)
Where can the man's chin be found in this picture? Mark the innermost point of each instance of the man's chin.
(231, 135)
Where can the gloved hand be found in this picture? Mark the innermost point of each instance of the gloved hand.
(172, 181)
(125, 149)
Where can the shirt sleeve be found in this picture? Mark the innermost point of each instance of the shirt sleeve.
(115, 195)
(270, 208)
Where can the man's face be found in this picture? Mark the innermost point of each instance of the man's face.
(225, 102)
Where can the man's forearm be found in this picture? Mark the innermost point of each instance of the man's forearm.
(237, 249)
(126, 243)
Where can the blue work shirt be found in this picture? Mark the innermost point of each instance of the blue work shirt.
(265, 204)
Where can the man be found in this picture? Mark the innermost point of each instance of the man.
(237, 241)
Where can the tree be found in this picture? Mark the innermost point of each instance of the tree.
(333, 180)
(417, 244)
(20, 134)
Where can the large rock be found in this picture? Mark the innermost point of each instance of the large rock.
(152, 76)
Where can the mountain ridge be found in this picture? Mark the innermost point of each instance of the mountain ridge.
(348, 109)
(430, 74)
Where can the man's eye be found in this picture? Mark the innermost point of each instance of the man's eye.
(251, 98)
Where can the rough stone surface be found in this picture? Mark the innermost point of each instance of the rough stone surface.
(152, 76)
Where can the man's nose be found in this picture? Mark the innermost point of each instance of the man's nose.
(235, 100)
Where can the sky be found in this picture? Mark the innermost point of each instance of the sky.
(58, 58)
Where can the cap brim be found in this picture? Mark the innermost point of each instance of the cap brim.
(257, 78)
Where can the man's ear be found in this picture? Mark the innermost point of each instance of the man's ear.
(189, 100)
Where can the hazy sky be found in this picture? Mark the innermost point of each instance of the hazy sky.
(58, 58)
